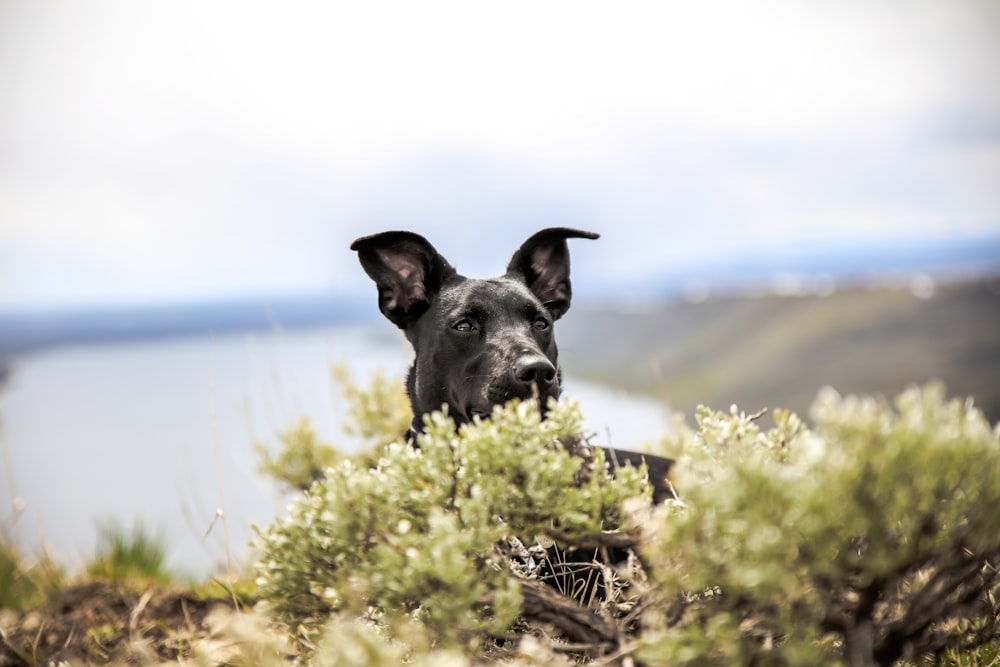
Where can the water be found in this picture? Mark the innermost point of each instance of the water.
(162, 432)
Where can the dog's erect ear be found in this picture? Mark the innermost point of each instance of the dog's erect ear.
(542, 262)
(407, 270)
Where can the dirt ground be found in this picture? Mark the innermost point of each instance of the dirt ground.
(102, 623)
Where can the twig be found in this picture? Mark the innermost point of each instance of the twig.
(24, 657)
(221, 512)
(542, 604)
(133, 619)
(612, 539)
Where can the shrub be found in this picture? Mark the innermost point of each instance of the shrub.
(378, 414)
(429, 533)
(301, 459)
(872, 538)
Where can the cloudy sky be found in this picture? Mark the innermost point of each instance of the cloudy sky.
(161, 151)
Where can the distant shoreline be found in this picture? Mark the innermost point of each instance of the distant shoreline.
(29, 331)
(26, 332)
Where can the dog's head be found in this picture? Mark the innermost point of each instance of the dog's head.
(477, 342)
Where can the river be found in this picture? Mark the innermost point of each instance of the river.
(162, 431)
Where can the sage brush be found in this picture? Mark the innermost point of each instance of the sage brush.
(871, 537)
(421, 533)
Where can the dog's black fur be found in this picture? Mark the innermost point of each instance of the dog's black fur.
(481, 342)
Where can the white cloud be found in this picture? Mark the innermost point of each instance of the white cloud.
(202, 147)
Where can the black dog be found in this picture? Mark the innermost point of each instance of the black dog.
(480, 343)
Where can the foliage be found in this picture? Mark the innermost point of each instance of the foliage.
(302, 458)
(872, 538)
(378, 414)
(358, 643)
(428, 534)
(15, 585)
(126, 555)
(869, 539)
(25, 582)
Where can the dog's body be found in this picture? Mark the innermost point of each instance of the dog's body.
(481, 342)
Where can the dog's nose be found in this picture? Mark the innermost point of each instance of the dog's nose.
(535, 369)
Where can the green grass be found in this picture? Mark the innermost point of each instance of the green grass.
(26, 582)
(124, 555)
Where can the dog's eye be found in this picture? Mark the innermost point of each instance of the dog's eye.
(464, 326)
(541, 324)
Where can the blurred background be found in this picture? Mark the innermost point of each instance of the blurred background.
(789, 195)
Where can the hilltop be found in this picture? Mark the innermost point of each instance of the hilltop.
(769, 350)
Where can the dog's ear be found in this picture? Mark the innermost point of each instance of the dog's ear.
(407, 270)
(542, 262)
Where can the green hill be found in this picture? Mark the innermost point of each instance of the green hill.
(772, 351)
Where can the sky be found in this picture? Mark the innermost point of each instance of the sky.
(155, 152)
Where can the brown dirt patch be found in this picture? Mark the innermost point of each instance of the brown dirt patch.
(98, 623)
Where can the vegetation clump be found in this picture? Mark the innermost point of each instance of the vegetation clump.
(874, 537)
(436, 534)
(377, 414)
(126, 555)
(25, 582)
(869, 539)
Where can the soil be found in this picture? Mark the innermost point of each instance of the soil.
(100, 623)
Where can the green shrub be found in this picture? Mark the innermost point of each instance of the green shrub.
(377, 414)
(301, 459)
(425, 534)
(871, 538)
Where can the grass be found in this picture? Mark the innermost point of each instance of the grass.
(27, 582)
(135, 554)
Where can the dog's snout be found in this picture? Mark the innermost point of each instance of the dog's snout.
(535, 369)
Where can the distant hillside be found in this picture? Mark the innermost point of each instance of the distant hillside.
(779, 351)
(25, 331)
